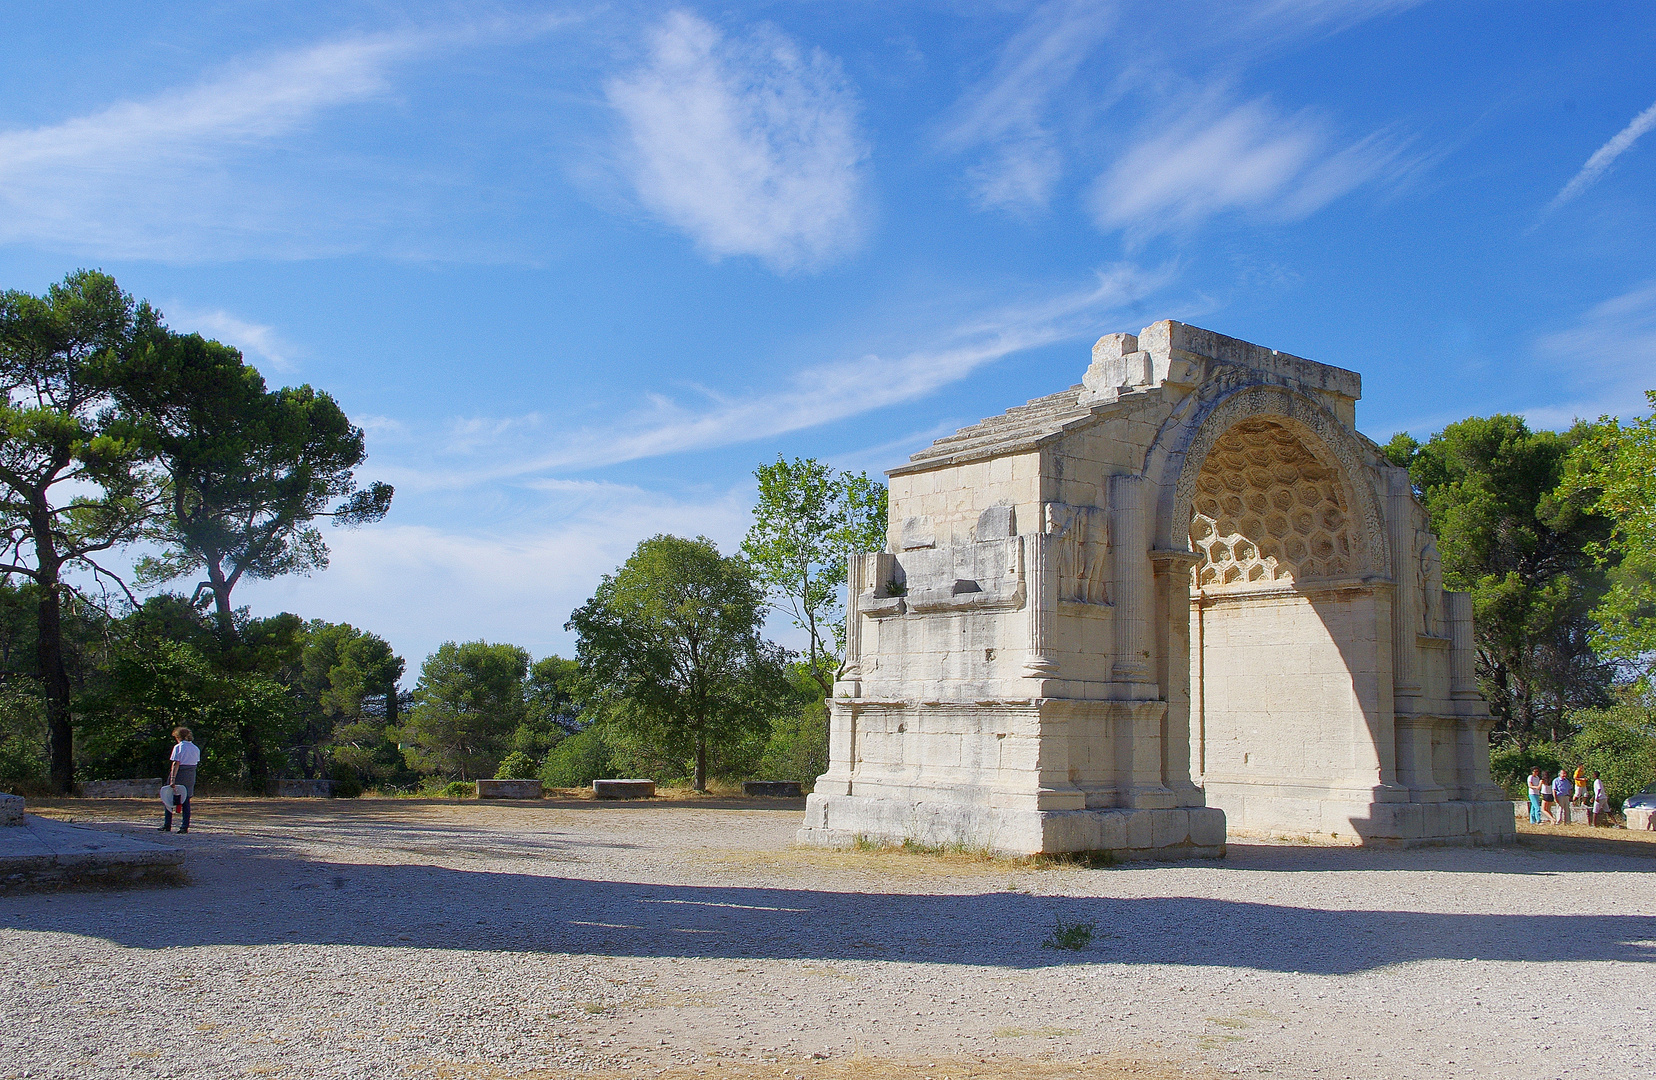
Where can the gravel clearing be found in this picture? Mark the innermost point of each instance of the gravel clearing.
(402, 938)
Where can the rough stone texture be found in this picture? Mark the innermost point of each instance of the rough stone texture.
(121, 789)
(508, 789)
(623, 789)
(43, 854)
(1183, 592)
(303, 789)
(11, 810)
(1641, 819)
(776, 789)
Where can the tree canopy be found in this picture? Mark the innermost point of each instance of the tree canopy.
(670, 648)
(467, 706)
(1521, 543)
(806, 523)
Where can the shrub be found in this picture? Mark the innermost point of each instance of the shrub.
(798, 746)
(1510, 765)
(516, 766)
(346, 784)
(458, 789)
(1074, 936)
(578, 760)
(1619, 743)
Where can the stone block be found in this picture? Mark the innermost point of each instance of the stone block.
(1641, 819)
(1140, 830)
(11, 810)
(508, 789)
(121, 789)
(774, 789)
(1168, 827)
(303, 789)
(1207, 826)
(623, 789)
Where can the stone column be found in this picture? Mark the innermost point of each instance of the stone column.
(1041, 596)
(1130, 564)
(1473, 722)
(856, 580)
(1400, 532)
(1172, 635)
(1463, 655)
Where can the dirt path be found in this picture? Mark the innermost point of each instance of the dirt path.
(401, 938)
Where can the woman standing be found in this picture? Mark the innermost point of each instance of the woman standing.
(186, 755)
(1535, 784)
(1546, 796)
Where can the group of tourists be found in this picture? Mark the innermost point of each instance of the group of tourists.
(1552, 796)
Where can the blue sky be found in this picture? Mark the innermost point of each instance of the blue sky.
(577, 270)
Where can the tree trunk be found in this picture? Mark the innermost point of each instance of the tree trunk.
(391, 706)
(55, 679)
(701, 764)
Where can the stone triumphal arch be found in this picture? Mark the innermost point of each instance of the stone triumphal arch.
(1181, 593)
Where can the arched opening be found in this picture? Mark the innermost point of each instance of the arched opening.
(1287, 680)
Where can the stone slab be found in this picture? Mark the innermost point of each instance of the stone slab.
(43, 854)
(776, 789)
(1641, 819)
(304, 789)
(122, 789)
(623, 789)
(11, 810)
(508, 789)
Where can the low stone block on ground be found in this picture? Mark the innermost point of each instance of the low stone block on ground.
(774, 789)
(508, 789)
(146, 788)
(304, 789)
(43, 855)
(11, 810)
(623, 789)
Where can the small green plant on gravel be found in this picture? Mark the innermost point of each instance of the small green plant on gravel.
(1072, 936)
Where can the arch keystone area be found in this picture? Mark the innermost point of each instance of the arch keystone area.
(1182, 596)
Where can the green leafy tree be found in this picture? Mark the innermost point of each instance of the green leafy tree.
(807, 521)
(250, 470)
(342, 668)
(1617, 467)
(1512, 534)
(671, 651)
(72, 481)
(551, 709)
(467, 705)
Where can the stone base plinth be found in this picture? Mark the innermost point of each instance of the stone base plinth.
(508, 789)
(11, 810)
(1264, 810)
(1641, 819)
(43, 854)
(623, 789)
(1194, 832)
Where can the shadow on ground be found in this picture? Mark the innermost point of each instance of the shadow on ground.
(258, 897)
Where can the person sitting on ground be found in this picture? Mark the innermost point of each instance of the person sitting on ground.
(1535, 785)
(1546, 796)
(1581, 792)
(1561, 797)
(1600, 813)
(181, 777)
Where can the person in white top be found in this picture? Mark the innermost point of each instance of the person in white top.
(1535, 786)
(1601, 803)
(185, 756)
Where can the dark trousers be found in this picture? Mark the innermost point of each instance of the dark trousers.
(183, 814)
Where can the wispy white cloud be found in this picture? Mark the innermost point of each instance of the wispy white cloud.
(1006, 115)
(147, 178)
(1604, 363)
(256, 341)
(751, 146)
(1218, 158)
(817, 395)
(1604, 157)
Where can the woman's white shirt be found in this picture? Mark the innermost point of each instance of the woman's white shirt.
(187, 753)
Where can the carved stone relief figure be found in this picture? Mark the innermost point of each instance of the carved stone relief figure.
(1431, 584)
(1082, 543)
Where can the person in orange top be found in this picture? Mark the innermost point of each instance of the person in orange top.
(1581, 792)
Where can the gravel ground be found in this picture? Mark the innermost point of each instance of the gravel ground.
(397, 938)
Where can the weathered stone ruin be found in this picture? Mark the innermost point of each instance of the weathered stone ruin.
(1183, 592)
